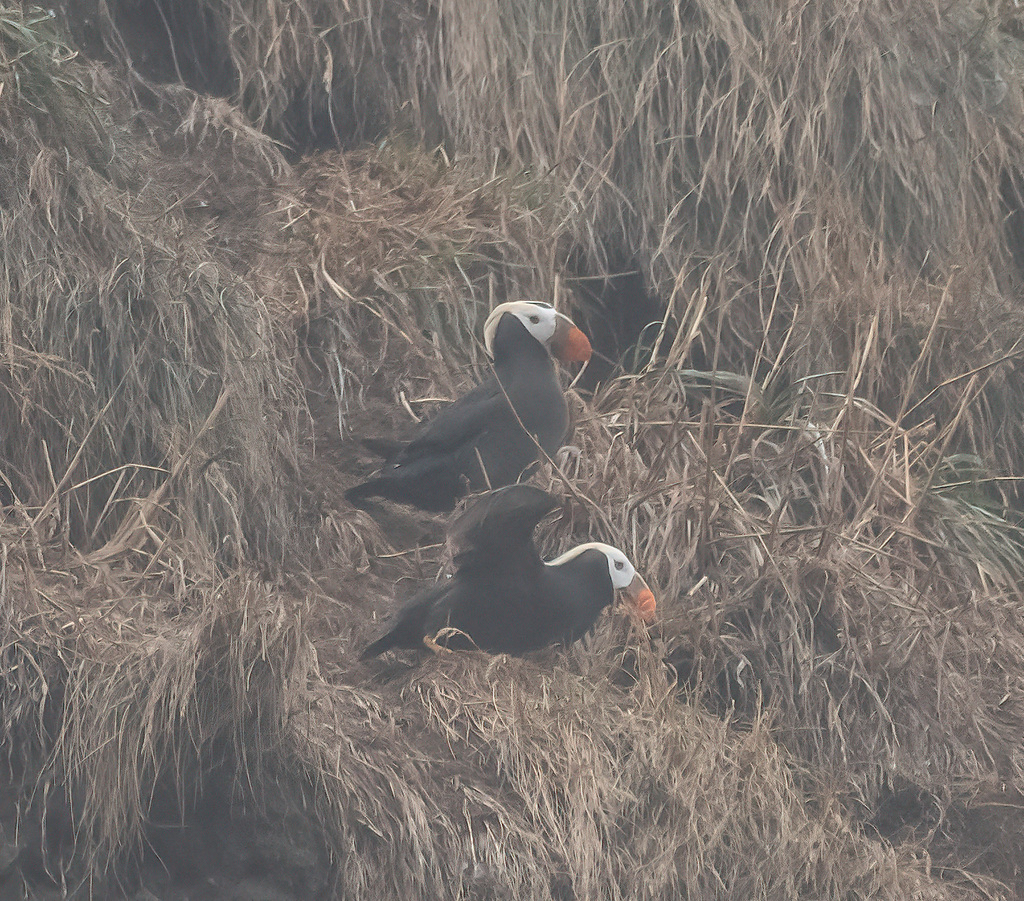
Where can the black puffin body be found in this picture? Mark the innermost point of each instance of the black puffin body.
(485, 439)
(503, 598)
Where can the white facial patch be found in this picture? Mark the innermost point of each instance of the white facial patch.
(539, 319)
(619, 567)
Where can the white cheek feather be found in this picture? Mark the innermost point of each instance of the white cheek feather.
(544, 330)
(620, 577)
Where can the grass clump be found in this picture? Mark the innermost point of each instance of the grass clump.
(143, 390)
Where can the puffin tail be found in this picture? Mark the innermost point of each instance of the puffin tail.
(378, 647)
(410, 485)
(360, 493)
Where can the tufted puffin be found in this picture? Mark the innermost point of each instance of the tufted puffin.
(503, 598)
(480, 439)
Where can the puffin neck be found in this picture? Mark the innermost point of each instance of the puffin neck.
(513, 345)
(586, 569)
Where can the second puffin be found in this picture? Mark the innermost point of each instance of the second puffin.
(503, 598)
(488, 437)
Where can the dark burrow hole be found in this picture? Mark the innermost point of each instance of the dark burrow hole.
(1012, 201)
(903, 810)
(180, 41)
(620, 316)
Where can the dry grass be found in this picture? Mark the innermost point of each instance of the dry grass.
(489, 777)
(144, 394)
(813, 460)
(778, 175)
(783, 176)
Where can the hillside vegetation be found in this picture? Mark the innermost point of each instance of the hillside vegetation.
(238, 236)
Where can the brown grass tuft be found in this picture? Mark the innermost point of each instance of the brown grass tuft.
(144, 390)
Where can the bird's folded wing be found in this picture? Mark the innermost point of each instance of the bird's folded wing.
(459, 422)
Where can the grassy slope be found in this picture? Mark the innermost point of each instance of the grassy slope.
(832, 701)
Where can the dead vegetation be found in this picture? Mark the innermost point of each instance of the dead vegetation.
(136, 345)
(814, 454)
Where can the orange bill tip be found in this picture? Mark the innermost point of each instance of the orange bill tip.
(575, 347)
(646, 605)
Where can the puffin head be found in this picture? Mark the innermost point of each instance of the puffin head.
(626, 581)
(554, 330)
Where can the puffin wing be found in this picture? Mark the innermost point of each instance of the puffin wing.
(495, 533)
(499, 596)
(459, 423)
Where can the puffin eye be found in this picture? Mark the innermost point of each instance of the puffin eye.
(535, 319)
(619, 564)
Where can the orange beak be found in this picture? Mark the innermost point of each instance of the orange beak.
(568, 343)
(641, 597)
